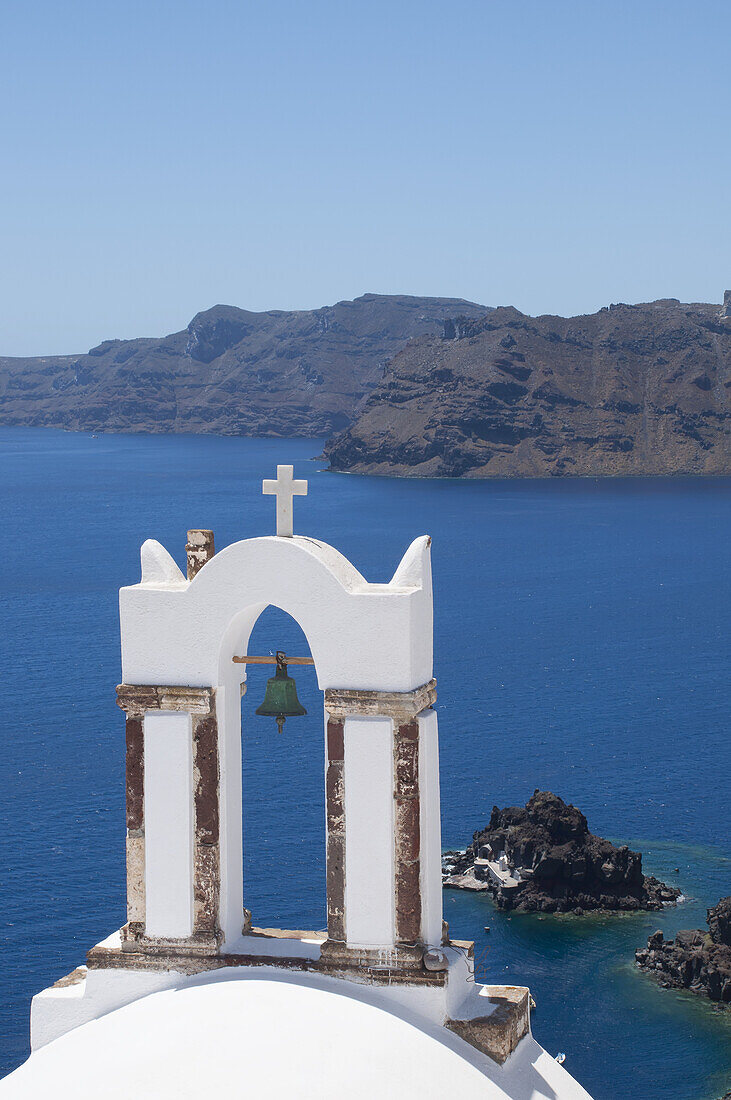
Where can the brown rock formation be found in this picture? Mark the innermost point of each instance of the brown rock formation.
(629, 390)
(231, 372)
(563, 867)
(696, 960)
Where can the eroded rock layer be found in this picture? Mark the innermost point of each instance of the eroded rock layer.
(641, 389)
(231, 371)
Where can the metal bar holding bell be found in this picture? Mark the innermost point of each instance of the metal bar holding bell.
(272, 660)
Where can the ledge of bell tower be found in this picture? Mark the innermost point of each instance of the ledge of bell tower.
(492, 1019)
(286, 948)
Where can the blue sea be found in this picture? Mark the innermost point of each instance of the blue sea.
(581, 646)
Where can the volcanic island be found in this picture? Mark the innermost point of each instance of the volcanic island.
(541, 858)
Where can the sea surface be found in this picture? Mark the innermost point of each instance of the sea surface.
(581, 646)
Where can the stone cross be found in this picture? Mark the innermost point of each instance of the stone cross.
(284, 489)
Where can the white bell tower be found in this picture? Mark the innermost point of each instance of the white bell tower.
(182, 647)
(185, 646)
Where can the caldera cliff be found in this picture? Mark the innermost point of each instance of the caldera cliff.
(230, 372)
(632, 389)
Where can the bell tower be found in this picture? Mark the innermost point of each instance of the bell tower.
(371, 646)
(185, 650)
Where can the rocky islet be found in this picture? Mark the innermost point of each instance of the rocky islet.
(542, 858)
(697, 959)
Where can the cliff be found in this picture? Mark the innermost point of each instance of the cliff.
(696, 960)
(435, 387)
(231, 372)
(552, 863)
(641, 389)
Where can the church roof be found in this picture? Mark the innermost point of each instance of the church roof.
(275, 1038)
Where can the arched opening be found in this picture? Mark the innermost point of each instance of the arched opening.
(283, 790)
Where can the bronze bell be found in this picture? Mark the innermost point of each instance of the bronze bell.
(280, 697)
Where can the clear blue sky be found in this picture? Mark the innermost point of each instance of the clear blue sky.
(159, 157)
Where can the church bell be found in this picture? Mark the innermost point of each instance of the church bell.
(280, 697)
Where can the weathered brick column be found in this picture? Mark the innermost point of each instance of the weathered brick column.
(199, 549)
(335, 814)
(407, 832)
(401, 709)
(200, 705)
(135, 809)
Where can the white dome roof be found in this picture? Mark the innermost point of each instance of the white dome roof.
(273, 1039)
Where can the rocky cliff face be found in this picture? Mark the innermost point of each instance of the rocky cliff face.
(640, 389)
(231, 372)
(696, 960)
(563, 866)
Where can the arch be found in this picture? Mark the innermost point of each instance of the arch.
(231, 686)
(372, 648)
(362, 636)
(283, 777)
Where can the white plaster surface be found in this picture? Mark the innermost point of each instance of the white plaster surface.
(228, 708)
(361, 635)
(461, 981)
(431, 830)
(158, 567)
(282, 947)
(168, 824)
(273, 1036)
(56, 1011)
(368, 782)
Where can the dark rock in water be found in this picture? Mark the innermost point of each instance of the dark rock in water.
(719, 922)
(552, 863)
(696, 960)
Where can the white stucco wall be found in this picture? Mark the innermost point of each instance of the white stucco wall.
(57, 1010)
(278, 1036)
(228, 709)
(168, 824)
(431, 830)
(369, 856)
(361, 635)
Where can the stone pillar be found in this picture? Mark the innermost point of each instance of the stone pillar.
(199, 705)
(407, 832)
(135, 808)
(199, 549)
(353, 718)
(335, 815)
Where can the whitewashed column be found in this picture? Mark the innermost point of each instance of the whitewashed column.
(369, 849)
(168, 825)
(173, 812)
(375, 883)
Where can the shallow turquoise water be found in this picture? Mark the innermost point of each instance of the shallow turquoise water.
(581, 645)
